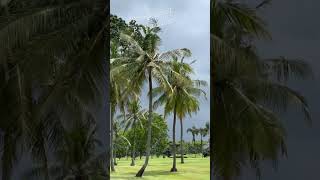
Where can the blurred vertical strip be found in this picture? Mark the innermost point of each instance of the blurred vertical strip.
(107, 45)
(213, 114)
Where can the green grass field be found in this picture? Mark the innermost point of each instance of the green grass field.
(159, 169)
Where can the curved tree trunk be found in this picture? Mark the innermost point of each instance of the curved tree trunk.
(174, 164)
(148, 148)
(181, 142)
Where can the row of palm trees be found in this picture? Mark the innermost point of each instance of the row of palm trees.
(141, 62)
(203, 132)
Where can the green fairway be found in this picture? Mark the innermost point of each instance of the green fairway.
(159, 169)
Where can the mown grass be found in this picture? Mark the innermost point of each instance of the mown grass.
(159, 169)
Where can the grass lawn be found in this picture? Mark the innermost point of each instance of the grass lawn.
(159, 169)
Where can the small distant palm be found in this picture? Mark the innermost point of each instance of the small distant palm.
(203, 132)
(194, 132)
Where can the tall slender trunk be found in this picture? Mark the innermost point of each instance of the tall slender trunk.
(174, 164)
(111, 144)
(133, 146)
(195, 148)
(194, 144)
(181, 141)
(124, 119)
(141, 171)
(201, 144)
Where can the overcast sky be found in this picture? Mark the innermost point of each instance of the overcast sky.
(295, 30)
(185, 24)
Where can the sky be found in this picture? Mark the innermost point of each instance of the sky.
(185, 24)
(295, 31)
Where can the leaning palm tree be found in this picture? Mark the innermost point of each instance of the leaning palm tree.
(248, 91)
(144, 62)
(182, 100)
(134, 120)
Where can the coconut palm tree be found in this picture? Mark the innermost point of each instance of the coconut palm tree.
(182, 100)
(43, 67)
(134, 119)
(203, 132)
(144, 62)
(247, 91)
(194, 132)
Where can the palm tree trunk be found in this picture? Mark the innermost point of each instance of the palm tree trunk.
(133, 147)
(174, 164)
(115, 159)
(181, 141)
(194, 144)
(201, 143)
(111, 143)
(195, 148)
(141, 171)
